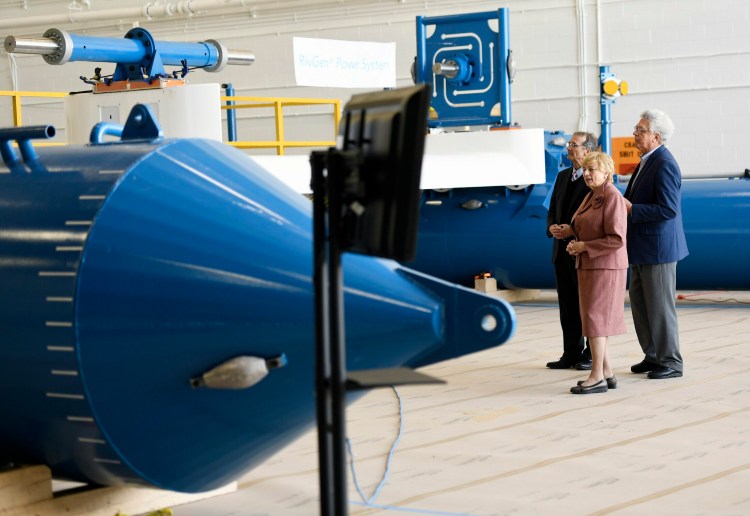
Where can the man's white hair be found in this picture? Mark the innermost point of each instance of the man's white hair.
(659, 122)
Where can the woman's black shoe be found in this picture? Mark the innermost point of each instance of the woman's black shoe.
(611, 382)
(600, 386)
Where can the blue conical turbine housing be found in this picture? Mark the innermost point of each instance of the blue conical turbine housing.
(130, 268)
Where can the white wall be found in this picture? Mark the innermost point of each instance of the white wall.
(690, 58)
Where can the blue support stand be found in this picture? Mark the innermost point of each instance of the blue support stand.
(610, 88)
(605, 139)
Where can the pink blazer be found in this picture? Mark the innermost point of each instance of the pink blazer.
(601, 222)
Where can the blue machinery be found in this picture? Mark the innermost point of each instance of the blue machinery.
(157, 310)
(140, 276)
(469, 65)
(501, 230)
(138, 56)
(505, 235)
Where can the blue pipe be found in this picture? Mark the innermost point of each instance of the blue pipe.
(133, 51)
(102, 129)
(606, 137)
(231, 114)
(605, 140)
(138, 56)
(137, 266)
(22, 135)
(30, 132)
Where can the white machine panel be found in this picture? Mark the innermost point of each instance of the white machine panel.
(451, 160)
(189, 111)
(483, 158)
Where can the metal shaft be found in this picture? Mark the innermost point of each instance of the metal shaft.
(447, 68)
(240, 57)
(61, 47)
(41, 46)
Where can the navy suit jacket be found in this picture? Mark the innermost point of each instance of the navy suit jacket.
(655, 232)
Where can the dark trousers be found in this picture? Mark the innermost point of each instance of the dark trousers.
(566, 280)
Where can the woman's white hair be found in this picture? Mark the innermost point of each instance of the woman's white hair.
(659, 122)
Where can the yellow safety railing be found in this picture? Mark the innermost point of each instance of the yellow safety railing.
(16, 99)
(16, 96)
(278, 105)
(241, 102)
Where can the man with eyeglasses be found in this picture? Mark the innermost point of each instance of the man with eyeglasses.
(567, 195)
(656, 242)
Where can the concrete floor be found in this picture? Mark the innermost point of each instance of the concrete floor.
(505, 436)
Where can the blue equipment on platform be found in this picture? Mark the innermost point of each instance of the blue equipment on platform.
(138, 56)
(157, 310)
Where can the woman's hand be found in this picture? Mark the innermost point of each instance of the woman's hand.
(575, 248)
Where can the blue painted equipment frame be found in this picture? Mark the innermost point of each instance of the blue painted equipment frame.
(472, 85)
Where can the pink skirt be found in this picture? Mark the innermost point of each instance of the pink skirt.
(602, 301)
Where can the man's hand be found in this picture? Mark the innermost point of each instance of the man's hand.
(628, 206)
(561, 231)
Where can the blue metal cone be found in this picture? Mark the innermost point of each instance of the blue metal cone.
(187, 257)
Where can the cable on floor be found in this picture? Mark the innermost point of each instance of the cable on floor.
(407, 509)
(369, 502)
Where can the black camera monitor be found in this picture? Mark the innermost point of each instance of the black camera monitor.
(387, 130)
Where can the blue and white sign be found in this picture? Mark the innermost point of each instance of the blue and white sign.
(344, 64)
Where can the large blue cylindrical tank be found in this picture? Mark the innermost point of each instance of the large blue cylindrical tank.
(501, 230)
(501, 237)
(130, 268)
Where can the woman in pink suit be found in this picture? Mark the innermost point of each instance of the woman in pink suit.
(600, 225)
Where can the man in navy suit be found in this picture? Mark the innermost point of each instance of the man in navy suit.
(567, 195)
(656, 242)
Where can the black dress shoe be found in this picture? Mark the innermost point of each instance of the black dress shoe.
(584, 365)
(611, 382)
(600, 386)
(662, 372)
(561, 364)
(644, 367)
